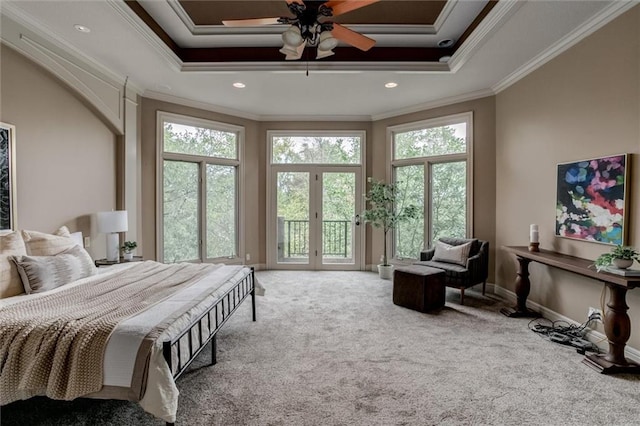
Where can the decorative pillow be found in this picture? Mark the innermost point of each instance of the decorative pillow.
(452, 254)
(42, 273)
(10, 283)
(41, 244)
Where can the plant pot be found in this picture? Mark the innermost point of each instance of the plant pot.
(127, 256)
(622, 263)
(385, 271)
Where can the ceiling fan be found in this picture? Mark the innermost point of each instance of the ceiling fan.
(309, 27)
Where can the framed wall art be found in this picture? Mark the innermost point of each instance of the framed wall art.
(591, 200)
(7, 177)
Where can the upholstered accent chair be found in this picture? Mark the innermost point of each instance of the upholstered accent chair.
(461, 273)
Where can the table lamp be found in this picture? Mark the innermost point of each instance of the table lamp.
(112, 223)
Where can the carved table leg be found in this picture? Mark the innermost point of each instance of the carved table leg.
(523, 287)
(617, 327)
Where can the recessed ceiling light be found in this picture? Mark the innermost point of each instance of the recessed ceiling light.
(391, 85)
(82, 28)
(447, 42)
(444, 59)
(239, 85)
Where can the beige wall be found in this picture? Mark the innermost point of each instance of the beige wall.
(66, 156)
(583, 104)
(484, 167)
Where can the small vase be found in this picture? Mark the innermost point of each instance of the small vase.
(622, 263)
(127, 256)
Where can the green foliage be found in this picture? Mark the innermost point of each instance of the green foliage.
(129, 246)
(383, 211)
(618, 252)
(181, 194)
(200, 141)
(316, 150)
(447, 190)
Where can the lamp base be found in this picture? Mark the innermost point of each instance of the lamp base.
(534, 247)
(113, 247)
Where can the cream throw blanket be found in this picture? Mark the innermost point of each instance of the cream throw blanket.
(54, 345)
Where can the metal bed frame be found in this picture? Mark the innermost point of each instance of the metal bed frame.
(214, 318)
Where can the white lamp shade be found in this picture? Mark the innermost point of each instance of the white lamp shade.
(115, 221)
(292, 53)
(292, 37)
(324, 53)
(327, 41)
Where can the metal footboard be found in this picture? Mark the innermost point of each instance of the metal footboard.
(214, 318)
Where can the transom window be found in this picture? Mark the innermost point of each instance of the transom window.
(431, 163)
(199, 169)
(334, 149)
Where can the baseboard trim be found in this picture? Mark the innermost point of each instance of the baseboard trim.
(592, 335)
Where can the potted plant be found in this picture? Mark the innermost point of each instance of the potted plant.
(384, 213)
(621, 257)
(127, 249)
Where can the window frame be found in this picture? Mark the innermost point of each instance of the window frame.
(428, 162)
(272, 169)
(163, 117)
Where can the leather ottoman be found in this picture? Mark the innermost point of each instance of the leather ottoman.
(420, 288)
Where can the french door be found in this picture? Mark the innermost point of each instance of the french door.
(315, 222)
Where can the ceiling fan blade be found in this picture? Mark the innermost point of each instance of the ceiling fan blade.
(256, 22)
(343, 6)
(351, 37)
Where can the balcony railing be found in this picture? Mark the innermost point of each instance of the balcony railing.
(336, 238)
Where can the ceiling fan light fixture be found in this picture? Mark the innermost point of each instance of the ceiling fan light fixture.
(288, 50)
(292, 37)
(324, 53)
(327, 41)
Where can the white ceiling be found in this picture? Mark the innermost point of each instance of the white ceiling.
(514, 39)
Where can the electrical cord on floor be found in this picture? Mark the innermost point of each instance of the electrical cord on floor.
(566, 334)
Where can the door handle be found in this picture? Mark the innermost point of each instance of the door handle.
(357, 219)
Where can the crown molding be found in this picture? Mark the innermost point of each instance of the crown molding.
(368, 118)
(444, 15)
(149, 36)
(151, 94)
(52, 43)
(243, 114)
(609, 13)
(370, 29)
(302, 66)
(435, 104)
(502, 11)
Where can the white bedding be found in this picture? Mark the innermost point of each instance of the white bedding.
(161, 396)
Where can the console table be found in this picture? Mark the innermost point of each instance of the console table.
(617, 325)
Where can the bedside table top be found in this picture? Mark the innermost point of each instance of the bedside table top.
(105, 262)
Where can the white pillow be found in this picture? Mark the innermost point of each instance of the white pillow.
(452, 254)
(41, 244)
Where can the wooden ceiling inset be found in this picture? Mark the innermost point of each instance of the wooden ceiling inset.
(384, 12)
(381, 13)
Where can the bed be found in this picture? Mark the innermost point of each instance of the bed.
(124, 332)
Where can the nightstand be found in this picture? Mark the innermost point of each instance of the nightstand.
(105, 262)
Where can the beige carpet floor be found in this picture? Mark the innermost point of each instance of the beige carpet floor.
(330, 348)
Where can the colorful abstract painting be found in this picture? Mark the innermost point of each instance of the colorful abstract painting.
(591, 200)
